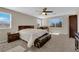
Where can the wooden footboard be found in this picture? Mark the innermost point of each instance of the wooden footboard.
(40, 42)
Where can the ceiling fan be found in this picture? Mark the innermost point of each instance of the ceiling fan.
(45, 11)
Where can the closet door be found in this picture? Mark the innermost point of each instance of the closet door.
(72, 25)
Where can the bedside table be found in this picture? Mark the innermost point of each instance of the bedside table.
(13, 37)
(44, 28)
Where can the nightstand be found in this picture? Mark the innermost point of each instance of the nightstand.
(13, 37)
(44, 27)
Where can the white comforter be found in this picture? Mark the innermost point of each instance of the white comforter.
(30, 35)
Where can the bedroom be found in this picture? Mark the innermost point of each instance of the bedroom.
(59, 41)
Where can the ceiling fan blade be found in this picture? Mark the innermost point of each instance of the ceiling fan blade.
(48, 11)
(45, 11)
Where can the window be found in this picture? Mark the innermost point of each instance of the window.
(39, 22)
(55, 22)
(5, 20)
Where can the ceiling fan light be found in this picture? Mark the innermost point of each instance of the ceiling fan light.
(43, 13)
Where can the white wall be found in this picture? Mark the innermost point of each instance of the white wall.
(63, 30)
(17, 19)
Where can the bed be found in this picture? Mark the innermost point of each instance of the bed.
(36, 37)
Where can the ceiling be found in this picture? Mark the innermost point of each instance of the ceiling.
(36, 11)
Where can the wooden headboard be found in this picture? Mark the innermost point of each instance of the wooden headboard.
(25, 27)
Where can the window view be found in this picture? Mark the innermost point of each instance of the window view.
(5, 20)
(55, 22)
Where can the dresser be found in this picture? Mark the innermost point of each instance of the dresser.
(13, 37)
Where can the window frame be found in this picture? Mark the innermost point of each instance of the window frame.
(61, 19)
(10, 20)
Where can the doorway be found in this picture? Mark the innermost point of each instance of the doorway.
(72, 25)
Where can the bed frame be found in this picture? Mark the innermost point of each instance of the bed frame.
(25, 27)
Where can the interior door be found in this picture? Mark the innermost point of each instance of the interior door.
(72, 25)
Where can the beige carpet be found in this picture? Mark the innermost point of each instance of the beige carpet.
(7, 46)
(58, 43)
(16, 49)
